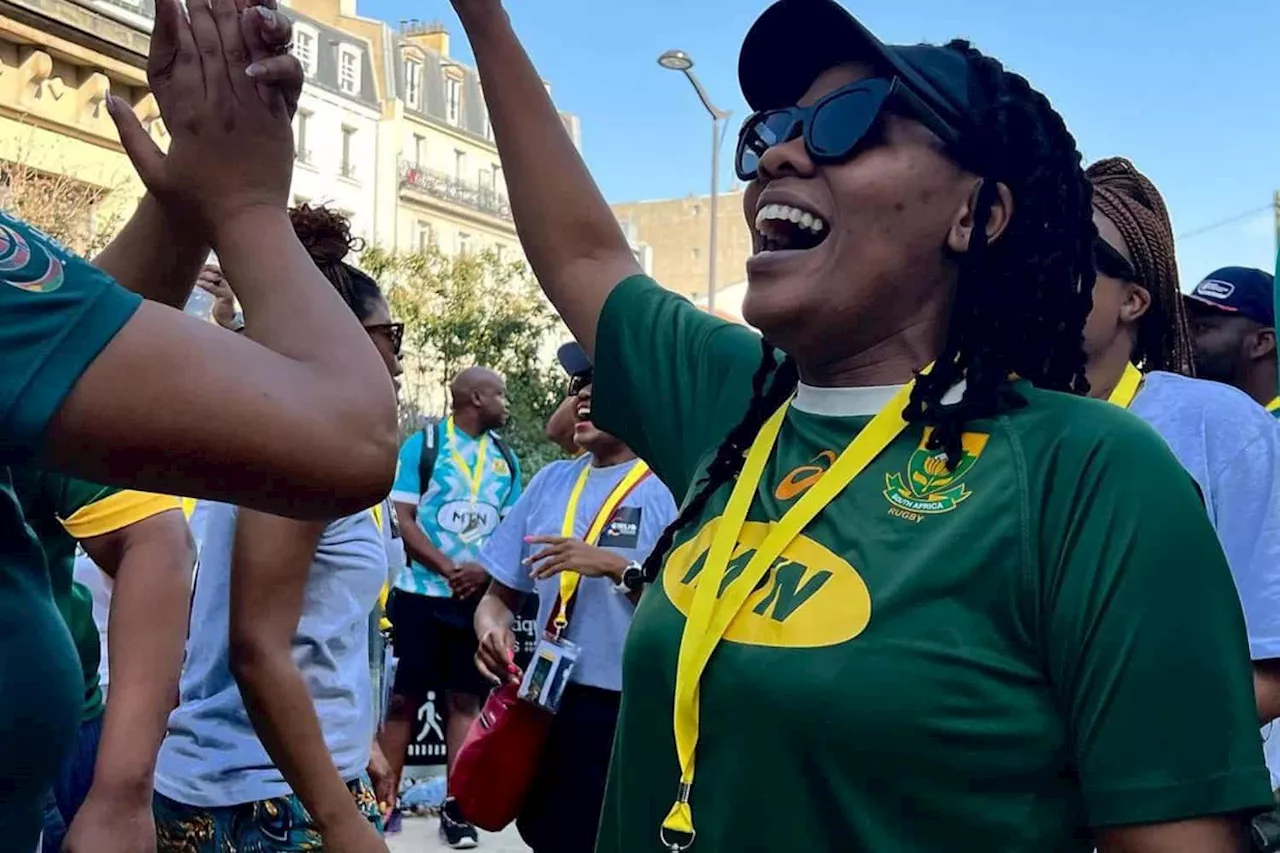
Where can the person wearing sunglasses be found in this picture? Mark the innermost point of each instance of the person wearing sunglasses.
(1141, 357)
(562, 426)
(914, 582)
(274, 731)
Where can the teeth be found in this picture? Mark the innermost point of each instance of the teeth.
(787, 213)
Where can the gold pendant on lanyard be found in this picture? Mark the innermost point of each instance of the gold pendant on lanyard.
(569, 580)
(1127, 388)
(709, 616)
(473, 477)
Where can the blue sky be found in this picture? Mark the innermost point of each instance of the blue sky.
(1189, 92)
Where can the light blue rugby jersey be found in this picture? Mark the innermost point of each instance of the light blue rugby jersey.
(455, 525)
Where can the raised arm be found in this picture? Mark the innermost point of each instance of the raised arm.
(174, 405)
(569, 234)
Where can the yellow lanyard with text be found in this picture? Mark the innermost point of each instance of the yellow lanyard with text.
(1127, 388)
(709, 617)
(569, 580)
(473, 478)
(1273, 405)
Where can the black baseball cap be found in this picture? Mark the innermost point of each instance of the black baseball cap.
(573, 358)
(794, 41)
(1238, 290)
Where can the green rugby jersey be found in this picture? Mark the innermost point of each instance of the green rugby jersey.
(1044, 641)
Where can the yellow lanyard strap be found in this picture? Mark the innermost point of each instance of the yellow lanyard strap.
(709, 617)
(1127, 388)
(569, 580)
(1273, 405)
(472, 477)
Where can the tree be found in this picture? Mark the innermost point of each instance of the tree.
(77, 214)
(473, 309)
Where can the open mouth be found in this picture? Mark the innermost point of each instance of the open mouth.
(583, 414)
(784, 227)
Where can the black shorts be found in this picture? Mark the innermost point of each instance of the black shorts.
(436, 645)
(562, 813)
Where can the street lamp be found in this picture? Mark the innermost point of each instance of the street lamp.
(678, 60)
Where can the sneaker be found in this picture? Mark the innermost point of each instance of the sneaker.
(394, 823)
(455, 832)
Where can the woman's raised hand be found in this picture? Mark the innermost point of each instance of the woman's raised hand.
(232, 144)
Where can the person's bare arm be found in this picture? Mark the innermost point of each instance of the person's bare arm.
(297, 416)
(419, 545)
(493, 621)
(151, 562)
(560, 425)
(271, 559)
(1266, 687)
(1226, 834)
(573, 241)
(152, 257)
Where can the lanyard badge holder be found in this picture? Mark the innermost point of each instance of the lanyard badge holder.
(555, 657)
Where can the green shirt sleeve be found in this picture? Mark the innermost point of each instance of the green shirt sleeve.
(70, 495)
(1145, 639)
(58, 313)
(671, 380)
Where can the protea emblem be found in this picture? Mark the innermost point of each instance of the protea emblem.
(929, 486)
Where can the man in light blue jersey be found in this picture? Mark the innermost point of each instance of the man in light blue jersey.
(455, 481)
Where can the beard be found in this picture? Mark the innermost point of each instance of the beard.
(1216, 367)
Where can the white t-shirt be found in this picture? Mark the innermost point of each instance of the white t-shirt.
(1231, 447)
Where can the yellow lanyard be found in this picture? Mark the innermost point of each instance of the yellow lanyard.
(1273, 405)
(472, 477)
(709, 617)
(569, 580)
(1127, 388)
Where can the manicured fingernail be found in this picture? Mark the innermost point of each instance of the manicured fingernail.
(528, 538)
(255, 70)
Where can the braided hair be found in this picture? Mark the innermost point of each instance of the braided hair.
(1129, 199)
(1020, 304)
(326, 235)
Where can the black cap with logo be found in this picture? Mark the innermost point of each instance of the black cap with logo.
(1241, 291)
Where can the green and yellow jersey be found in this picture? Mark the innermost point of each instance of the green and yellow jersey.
(1002, 656)
(63, 511)
(58, 314)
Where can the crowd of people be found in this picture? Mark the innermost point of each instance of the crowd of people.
(975, 544)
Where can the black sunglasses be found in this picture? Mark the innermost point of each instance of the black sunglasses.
(1111, 263)
(579, 381)
(393, 331)
(834, 126)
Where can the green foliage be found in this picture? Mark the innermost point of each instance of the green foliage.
(473, 309)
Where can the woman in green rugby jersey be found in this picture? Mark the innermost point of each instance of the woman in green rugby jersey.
(897, 612)
(122, 392)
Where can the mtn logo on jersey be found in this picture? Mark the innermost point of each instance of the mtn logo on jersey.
(466, 520)
(809, 598)
(928, 487)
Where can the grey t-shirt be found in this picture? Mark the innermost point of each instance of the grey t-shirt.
(601, 615)
(211, 756)
(1231, 447)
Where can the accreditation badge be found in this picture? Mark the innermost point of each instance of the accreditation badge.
(548, 672)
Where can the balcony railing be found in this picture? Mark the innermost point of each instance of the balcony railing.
(348, 171)
(449, 188)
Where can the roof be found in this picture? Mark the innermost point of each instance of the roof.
(329, 41)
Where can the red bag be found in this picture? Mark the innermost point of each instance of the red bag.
(496, 766)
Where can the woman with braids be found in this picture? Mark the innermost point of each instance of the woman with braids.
(898, 611)
(1140, 357)
(271, 741)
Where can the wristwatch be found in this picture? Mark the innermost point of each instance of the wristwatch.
(632, 578)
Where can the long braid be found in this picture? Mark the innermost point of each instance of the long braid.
(1021, 301)
(766, 397)
(1020, 304)
(1130, 200)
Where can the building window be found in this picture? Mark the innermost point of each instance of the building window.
(413, 83)
(484, 116)
(348, 69)
(459, 164)
(300, 151)
(304, 47)
(486, 182)
(453, 100)
(419, 150)
(348, 152)
(426, 235)
(464, 243)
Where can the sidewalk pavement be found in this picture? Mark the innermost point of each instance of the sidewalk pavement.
(421, 835)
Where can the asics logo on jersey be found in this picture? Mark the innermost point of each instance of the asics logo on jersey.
(802, 479)
(810, 597)
(929, 486)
